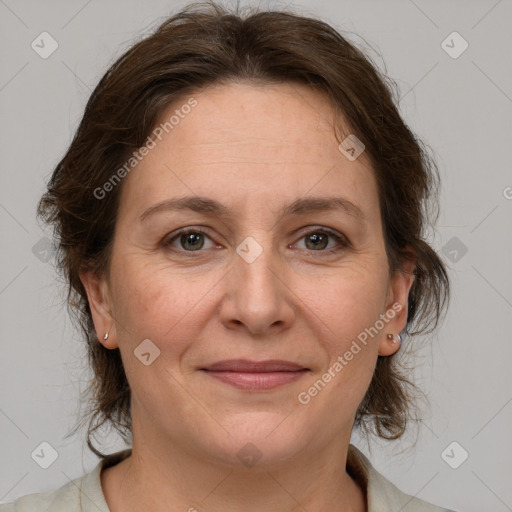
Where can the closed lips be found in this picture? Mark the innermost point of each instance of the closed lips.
(255, 376)
(244, 366)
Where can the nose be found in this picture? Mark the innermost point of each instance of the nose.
(258, 298)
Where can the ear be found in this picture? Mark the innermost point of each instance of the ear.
(100, 303)
(397, 303)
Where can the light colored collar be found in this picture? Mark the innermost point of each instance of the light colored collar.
(381, 494)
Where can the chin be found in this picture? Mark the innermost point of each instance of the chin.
(260, 439)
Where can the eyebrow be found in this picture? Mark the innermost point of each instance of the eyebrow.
(300, 206)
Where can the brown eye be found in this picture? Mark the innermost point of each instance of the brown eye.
(323, 240)
(192, 241)
(315, 241)
(189, 240)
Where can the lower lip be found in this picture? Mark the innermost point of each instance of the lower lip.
(256, 381)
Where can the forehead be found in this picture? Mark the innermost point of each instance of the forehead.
(274, 117)
(247, 141)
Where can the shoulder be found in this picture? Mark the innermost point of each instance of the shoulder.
(66, 498)
(83, 494)
(383, 495)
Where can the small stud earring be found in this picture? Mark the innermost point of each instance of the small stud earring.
(106, 336)
(392, 338)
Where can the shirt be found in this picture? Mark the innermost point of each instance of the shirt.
(85, 494)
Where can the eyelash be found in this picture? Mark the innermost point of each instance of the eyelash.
(342, 242)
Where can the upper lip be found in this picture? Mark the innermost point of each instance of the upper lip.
(246, 366)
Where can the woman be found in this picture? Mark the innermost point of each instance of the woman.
(240, 219)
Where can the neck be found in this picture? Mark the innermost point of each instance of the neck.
(173, 478)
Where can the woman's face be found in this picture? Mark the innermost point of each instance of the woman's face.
(246, 234)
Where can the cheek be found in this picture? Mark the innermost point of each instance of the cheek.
(346, 315)
(151, 306)
(349, 301)
(349, 306)
(156, 303)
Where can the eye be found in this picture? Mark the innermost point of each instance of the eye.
(323, 240)
(189, 240)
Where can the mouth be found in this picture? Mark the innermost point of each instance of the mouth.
(255, 375)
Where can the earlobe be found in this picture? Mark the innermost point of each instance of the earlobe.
(390, 345)
(101, 308)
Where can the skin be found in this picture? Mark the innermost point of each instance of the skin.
(255, 149)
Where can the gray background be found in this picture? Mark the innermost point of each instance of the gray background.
(461, 107)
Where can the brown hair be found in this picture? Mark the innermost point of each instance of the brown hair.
(203, 45)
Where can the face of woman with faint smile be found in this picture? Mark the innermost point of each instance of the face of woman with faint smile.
(245, 236)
